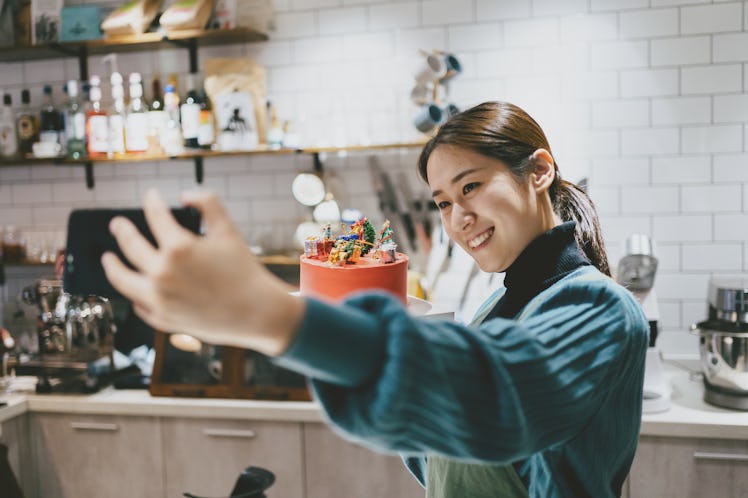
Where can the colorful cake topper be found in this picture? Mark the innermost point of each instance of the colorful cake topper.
(359, 239)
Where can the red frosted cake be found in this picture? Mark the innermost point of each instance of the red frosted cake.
(334, 268)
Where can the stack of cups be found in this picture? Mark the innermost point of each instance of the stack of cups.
(438, 68)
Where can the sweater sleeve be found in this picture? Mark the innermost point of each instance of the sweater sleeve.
(497, 393)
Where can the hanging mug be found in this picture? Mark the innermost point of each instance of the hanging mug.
(429, 116)
(432, 69)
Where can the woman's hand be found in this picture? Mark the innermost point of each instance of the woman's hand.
(210, 287)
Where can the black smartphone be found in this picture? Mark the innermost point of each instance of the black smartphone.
(89, 237)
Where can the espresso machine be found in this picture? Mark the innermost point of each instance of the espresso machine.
(636, 271)
(73, 334)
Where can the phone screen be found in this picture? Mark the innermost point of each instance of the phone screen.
(88, 237)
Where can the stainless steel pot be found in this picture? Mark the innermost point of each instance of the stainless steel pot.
(723, 344)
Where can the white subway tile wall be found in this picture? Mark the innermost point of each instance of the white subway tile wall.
(648, 99)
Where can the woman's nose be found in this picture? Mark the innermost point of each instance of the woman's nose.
(462, 218)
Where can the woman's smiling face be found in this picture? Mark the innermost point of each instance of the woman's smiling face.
(483, 206)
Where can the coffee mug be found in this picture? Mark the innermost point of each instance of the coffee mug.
(429, 116)
(420, 94)
(432, 69)
(453, 67)
(448, 111)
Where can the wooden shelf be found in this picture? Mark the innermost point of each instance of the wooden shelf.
(131, 43)
(191, 155)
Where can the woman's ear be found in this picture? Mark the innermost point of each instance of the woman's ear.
(543, 170)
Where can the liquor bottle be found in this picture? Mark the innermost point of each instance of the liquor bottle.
(117, 116)
(275, 132)
(27, 124)
(51, 122)
(75, 123)
(8, 138)
(136, 124)
(157, 119)
(97, 122)
(189, 113)
(171, 138)
(205, 131)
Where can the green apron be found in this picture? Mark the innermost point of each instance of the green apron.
(447, 478)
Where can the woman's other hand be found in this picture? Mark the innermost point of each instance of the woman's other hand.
(210, 287)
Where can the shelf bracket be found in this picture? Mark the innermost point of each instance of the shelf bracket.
(89, 175)
(191, 46)
(199, 171)
(317, 163)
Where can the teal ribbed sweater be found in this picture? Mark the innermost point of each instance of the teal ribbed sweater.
(560, 389)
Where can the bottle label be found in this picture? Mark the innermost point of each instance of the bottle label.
(205, 134)
(136, 132)
(8, 145)
(26, 127)
(116, 134)
(79, 126)
(190, 114)
(98, 134)
(52, 136)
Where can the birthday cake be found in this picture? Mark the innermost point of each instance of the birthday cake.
(334, 267)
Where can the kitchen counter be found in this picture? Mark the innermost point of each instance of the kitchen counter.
(688, 416)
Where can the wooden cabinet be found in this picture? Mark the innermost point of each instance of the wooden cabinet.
(666, 467)
(336, 468)
(204, 457)
(102, 456)
(15, 435)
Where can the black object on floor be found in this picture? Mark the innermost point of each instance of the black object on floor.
(252, 483)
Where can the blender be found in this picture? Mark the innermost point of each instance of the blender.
(636, 272)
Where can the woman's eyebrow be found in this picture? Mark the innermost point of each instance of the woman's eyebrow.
(459, 176)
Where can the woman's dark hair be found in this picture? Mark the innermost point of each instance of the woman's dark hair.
(503, 131)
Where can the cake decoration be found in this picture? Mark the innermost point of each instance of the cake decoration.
(356, 260)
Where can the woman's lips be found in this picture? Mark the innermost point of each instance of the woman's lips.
(480, 240)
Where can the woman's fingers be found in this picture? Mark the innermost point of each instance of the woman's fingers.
(131, 284)
(214, 214)
(136, 248)
(166, 230)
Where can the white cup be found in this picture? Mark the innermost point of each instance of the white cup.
(432, 69)
(429, 116)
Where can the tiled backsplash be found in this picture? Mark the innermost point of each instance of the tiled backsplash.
(645, 98)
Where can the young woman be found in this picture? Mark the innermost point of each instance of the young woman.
(540, 397)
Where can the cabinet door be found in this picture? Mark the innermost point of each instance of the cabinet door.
(15, 435)
(205, 456)
(336, 468)
(102, 456)
(689, 468)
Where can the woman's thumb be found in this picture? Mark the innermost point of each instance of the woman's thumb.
(215, 217)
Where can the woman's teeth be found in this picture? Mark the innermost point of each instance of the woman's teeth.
(480, 239)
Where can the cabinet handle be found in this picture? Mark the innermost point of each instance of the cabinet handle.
(229, 433)
(93, 426)
(704, 455)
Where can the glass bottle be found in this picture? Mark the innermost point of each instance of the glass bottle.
(51, 122)
(97, 123)
(171, 138)
(117, 116)
(75, 123)
(157, 119)
(27, 124)
(189, 113)
(8, 138)
(136, 125)
(205, 132)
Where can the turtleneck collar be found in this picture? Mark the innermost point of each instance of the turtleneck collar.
(545, 261)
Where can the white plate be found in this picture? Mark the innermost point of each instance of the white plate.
(416, 306)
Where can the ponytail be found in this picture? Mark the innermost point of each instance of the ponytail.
(571, 203)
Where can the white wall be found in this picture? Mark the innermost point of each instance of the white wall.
(646, 98)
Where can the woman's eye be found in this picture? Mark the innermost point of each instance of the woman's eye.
(442, 204)
(467, 188)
